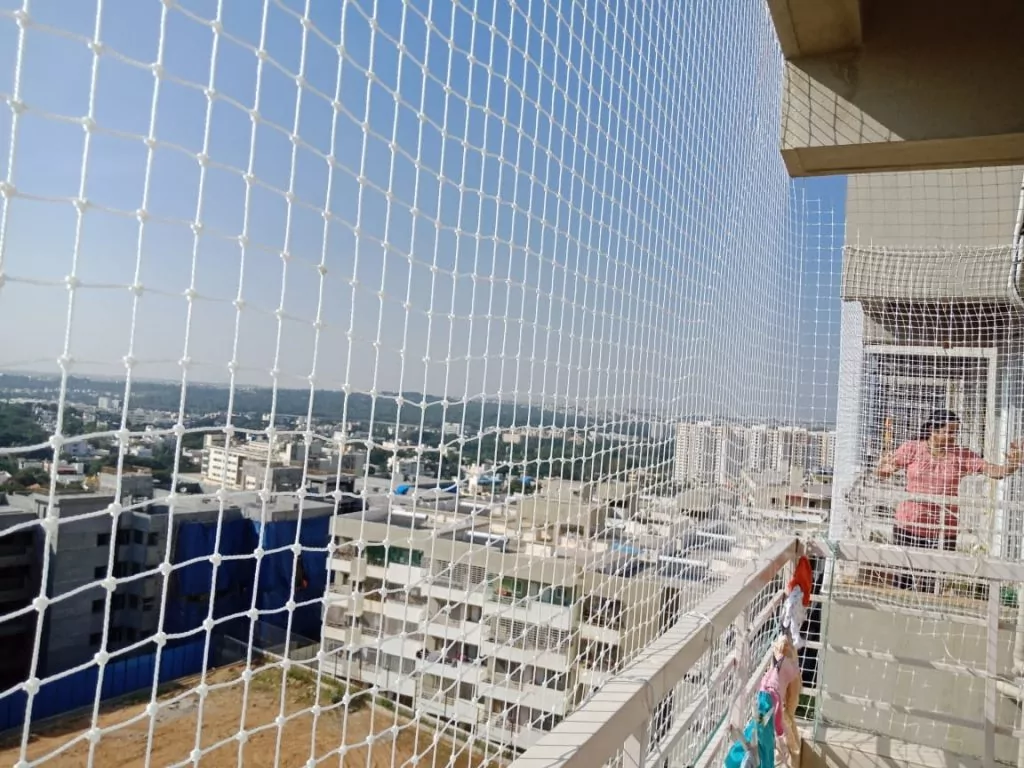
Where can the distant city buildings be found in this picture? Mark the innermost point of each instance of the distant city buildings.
(711, 453)
(255, 464)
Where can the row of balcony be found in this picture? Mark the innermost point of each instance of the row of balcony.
(353, 602)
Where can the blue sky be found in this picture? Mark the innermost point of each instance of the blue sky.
(584, 205)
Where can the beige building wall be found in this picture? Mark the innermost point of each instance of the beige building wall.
(914, 84)
(885, 649)
(943, 209)
(912, 641)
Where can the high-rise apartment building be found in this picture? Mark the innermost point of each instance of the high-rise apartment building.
(720, 454)
(503, 618)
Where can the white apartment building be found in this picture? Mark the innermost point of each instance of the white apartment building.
(791, 448)
(224, 464)
(762, 444)
(720, 454)
(108, 403)
(698, 452)
(244, 465)
(732, 454)
(502, 618)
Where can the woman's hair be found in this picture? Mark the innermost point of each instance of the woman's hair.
(937, 420)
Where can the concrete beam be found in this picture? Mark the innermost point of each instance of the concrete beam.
(816, 27)
(931, 85)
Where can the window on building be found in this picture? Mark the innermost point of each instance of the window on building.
(103, 540)
(557, 596)
(397, 555)
(97, 606)
(152, 540)
(123, 537)
(138, 537)
(509, 589)
(95, 638)
(148, 603)
(133, 601)
(99, 572)
(117, 603)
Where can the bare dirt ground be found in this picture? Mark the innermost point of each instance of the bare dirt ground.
(176, 727)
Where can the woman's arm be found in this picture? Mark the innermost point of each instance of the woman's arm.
(886, 466)
(1014, 457)
(893, 462)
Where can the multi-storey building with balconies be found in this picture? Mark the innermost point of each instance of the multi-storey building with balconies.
(91, 545)
(503, 618)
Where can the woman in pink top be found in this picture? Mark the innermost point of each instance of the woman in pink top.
(935, 465)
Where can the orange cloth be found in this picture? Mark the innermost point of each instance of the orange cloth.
(803, 577)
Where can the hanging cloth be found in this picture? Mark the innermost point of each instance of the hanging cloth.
(794, 614)
(803, 577)
(755, 748)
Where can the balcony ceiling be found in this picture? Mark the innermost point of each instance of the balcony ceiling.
(816, 27)
(895, 85)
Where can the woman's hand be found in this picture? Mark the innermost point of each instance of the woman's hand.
(1014, 456)
(886, 466)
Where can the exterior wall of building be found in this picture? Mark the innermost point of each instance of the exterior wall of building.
(887, 629)
(79, 556)
(507, 642)
(19, 585)
(85, 550)
(940, 209)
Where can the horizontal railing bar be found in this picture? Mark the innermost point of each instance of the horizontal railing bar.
(924, 714)
(686, 717)
(921, 613)
(625, 704)
(947, 563)
(940, 666)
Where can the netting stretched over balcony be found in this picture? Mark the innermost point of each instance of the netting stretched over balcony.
(380, 378)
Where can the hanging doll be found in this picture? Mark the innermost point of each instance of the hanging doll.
(755, 747)
(782, 683)
(798, 598)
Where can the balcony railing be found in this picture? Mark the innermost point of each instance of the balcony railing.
(972, 522)
(650, 712)
(902, 673)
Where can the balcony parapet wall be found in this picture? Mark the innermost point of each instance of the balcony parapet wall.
(962, 296)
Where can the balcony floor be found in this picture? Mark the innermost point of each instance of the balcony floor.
(845, 748)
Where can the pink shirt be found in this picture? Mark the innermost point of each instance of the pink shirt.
(933, 476)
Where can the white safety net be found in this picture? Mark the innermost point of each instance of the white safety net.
(381, 377)
(927, 521)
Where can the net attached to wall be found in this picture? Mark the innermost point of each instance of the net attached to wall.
(926, 527)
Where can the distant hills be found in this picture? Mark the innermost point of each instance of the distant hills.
(326, 405)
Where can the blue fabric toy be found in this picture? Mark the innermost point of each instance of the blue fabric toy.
(756, 748)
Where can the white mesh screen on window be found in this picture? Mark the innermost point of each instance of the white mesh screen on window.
(380, 378)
